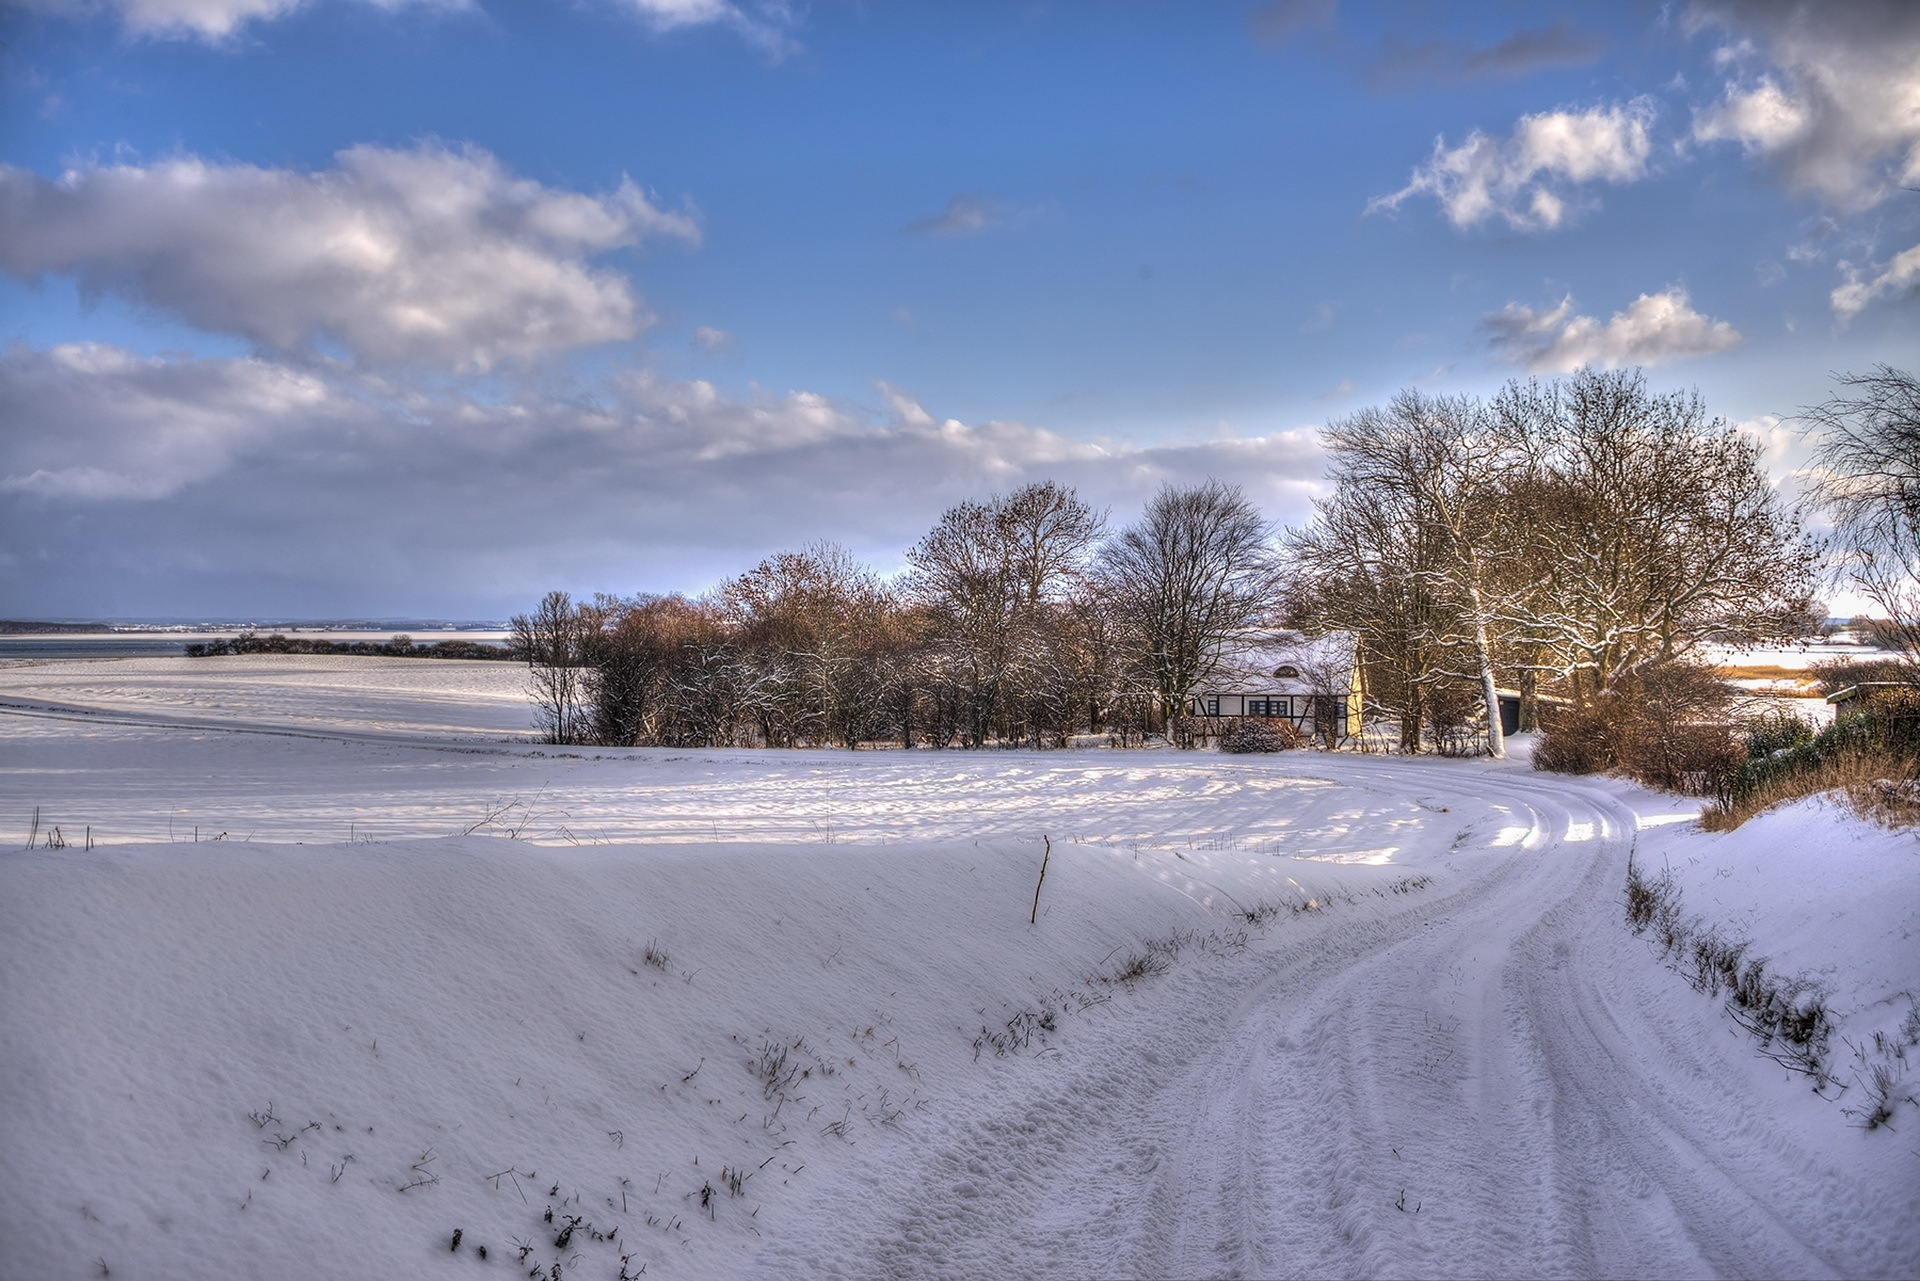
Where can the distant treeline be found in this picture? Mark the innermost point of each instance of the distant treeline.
(1018, 621)
(1579, 544)
(27, 627)
(398, 647)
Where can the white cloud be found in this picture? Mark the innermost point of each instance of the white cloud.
(1899, 279)
(966, 214)
(175, 486)
(423, 255)
(222, 21)
(766, 29)
(93, 422)
(1523, 179)
(1653, 329)
(1827, 93)
(667, 14)
(210, 21)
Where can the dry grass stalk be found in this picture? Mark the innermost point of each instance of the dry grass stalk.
(1875, 784)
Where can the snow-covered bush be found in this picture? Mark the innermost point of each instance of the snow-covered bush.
(1252, 734)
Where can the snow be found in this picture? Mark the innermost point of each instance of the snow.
(1779, 677)
(1292, 1015)
(1799, 655)
(1824, 897)
(356, 694)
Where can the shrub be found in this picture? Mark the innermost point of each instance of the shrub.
(399, 647)
(1694, 759)
(1456, 718)
(1574, 740)
(1664, 725)
(1253, 734)
(1836, 674)
(1776, 731)
(1895, 719)
(1875, 743)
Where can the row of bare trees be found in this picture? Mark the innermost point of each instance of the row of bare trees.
(1017, 621)
(1565, 534)
(1564, 539)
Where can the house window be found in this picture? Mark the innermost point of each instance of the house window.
(1287, 673)
(1270, 707)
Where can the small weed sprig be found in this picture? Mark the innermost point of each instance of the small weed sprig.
(1880, 1068)
(1787, 1016)
(1265, 912)
(1033, 917)
(513, 817)
(1153, 958)
(423, 1176)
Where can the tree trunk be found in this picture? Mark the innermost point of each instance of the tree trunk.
(1496, 732)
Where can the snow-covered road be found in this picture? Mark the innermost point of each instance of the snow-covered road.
(1490, 1082)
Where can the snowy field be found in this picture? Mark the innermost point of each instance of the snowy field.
(1780, 676)
(353, 965)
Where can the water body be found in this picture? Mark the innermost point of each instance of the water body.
(72, 647)
(56, 647)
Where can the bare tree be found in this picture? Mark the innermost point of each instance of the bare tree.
(1364, 563)
(1197, 568)
(1574, 531)
(553, 640)
(1644, 529)
(1050, 535)
(1868, 482)
(1447, 465)
(804, 623)
(963, 573)
(994, 577)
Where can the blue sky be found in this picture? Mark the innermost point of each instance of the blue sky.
(339, 307)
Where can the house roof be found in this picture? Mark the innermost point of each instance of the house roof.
(1862, 689)
(1250, 665)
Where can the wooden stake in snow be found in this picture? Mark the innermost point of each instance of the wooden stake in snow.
(1033, 917)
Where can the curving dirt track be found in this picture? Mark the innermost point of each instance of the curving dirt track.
(1497, 1081)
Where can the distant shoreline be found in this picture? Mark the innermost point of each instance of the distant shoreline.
(91, 643)
(233, 627)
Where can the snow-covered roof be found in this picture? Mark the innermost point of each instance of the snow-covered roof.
(1284, 663)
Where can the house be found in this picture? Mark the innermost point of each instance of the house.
(1314, 682)
(1513, 703)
